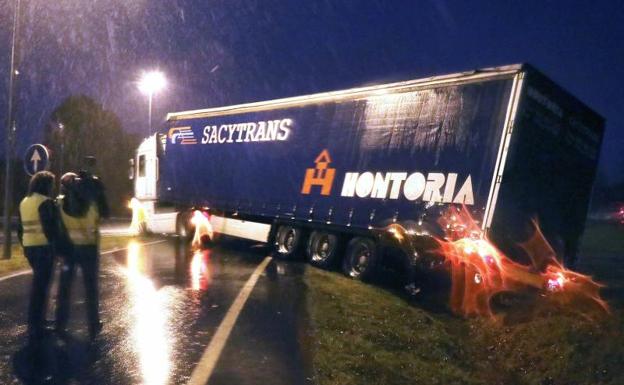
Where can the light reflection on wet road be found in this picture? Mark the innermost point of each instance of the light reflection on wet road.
(161, 304)
(149, 310)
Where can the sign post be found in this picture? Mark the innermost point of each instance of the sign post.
(36, 158)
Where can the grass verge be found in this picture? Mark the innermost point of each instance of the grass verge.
(367, 335)
(18, 261)
(603, 238)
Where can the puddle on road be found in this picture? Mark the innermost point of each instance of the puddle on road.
(150, 314)
(165, 310)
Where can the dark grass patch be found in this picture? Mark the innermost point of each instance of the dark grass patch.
(367, 334)
(602, 238)
(602, 257)
(16, 263)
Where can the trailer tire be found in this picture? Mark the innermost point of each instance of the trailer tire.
(360, 260)
(288, 241)
(323, 249)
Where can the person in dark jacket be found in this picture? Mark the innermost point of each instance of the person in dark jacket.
(80, 216)
(39, 232)
(94, 186)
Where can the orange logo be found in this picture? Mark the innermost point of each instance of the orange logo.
(321, 175)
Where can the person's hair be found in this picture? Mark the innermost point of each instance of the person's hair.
(75, 201)
(41, 183)
(66, 181)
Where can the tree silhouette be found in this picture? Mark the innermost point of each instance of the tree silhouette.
(80, 127)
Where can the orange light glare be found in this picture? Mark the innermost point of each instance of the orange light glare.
(479, 271)
(203, 229)
(138, 216)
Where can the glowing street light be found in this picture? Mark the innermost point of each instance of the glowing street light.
(150, 83)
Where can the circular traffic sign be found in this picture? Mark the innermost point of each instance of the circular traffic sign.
(36, 158)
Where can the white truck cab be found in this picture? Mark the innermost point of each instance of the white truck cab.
(166, 218)
(159, 217)
(146, 173)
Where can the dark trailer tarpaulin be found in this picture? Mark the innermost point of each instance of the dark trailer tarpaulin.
(505, 142)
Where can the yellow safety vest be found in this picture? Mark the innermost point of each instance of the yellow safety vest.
(31, 221)
(82, 230)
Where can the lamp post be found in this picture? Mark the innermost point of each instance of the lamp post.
(10, 134)
(61, 130)
(150, 83)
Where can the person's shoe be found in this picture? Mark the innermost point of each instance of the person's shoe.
(49, 325)
(412, 289)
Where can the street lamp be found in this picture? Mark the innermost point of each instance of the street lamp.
(10, 132)
(150, 83)
(61, 131)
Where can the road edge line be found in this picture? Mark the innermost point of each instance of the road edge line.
(16, 274)
(204, 368)
(29, 271)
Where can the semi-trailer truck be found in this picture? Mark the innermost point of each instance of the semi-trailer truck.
(324, 175)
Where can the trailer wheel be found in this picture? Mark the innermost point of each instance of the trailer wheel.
(288, 241)
(322, 249)
(360, 260)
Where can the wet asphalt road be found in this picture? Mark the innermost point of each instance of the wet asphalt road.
(161, 305)
(111, 227)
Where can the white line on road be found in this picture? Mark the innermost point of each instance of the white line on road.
(17, 274)
(29, 271)
(208, 361)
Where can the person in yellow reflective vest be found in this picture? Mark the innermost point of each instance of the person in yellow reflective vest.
(81, 219)
(38, 232)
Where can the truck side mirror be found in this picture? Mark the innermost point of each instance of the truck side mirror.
(131, 169)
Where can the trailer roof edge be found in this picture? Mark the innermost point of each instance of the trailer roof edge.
(341, 94)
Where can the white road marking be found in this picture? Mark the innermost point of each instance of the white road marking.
(29, 271)
(208, 361)
(17, 274)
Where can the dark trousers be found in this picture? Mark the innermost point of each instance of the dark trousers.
(88, 259)
(41, 260)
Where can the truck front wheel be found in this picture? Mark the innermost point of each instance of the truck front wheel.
(183, 227)
(288, 241)
(360, 260)
(322, 249)
(142, 228)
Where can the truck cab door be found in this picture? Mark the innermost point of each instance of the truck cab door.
(145, 185)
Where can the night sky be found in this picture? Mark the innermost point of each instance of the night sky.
(221, 52)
